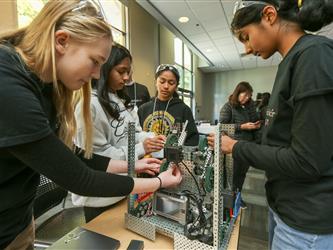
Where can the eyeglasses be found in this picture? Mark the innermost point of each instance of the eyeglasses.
(170, 67)
(91, 8)
(243, 4)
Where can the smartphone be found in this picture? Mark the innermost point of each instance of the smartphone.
(135, 245)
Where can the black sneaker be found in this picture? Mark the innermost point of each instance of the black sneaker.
(243, 205)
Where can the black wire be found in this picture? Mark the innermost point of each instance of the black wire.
(195, 180)
(201, 217)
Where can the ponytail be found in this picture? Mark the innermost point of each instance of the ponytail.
(310, 15)
(315, 14)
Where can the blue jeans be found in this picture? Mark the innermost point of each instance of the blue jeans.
(282, 236)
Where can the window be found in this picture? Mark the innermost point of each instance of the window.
(27, 10)
(116, 15)
(115, 12)
(183, 61)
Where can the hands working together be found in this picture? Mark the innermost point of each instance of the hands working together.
(169, 178)
(172, 176)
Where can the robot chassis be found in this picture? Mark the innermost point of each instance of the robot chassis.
(200, 219)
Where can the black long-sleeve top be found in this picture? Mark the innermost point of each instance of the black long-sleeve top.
(297, 142)
(29, 146)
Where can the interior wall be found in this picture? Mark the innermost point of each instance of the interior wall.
(143, 42)
(166, 41)
(198, 88)
(218, 86)
(8, 17)
(150, 44)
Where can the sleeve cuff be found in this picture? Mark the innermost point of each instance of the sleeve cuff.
(236, 150)
(140, 150)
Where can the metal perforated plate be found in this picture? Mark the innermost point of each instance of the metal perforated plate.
(182, 242)
(165, 226)
(140, 226)
(148, 226)
(226, 238)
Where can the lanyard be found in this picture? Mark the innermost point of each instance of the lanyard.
(161, 127)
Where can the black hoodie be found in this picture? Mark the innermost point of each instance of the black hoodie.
(151, 119)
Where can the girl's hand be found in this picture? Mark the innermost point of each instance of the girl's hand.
(227, 144)
(171, 177)
(211, 140)
(148, 165)
(154, 144)
(250, 125)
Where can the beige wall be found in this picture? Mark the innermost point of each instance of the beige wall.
(166, 48)
(150, 44)
(8, 15)
(198, 87)
(218, 87)
(143, 41)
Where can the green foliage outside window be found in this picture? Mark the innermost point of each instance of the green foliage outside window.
(27, 10)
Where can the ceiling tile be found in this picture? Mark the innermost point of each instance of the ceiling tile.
(208, 28)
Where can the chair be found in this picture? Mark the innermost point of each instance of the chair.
(53, 220)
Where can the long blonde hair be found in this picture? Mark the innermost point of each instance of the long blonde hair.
(36, 45)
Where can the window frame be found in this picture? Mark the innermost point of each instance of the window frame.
(182, 91)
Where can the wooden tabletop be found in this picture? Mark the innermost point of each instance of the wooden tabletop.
(112, 224)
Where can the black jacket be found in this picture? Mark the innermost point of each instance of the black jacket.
(238, 115)
(138, 93)
(297, 142)
(164, 116)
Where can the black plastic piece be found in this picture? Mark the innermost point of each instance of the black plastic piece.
(173, 154)
(228, 198)
(135, 245)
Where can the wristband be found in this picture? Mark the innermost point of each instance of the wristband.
(160, 182)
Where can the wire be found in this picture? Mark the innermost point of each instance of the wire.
(195, 180)
(201, 219)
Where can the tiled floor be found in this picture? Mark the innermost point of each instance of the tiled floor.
(250, 243)
(254, 228)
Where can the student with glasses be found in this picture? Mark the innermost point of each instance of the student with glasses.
(166, 109)
(41, 66)
(111, 113)
(297, 143)
(240, 110)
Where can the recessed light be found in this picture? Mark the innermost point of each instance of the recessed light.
(208, 50)
(183, 19)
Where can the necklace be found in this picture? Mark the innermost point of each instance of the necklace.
(161, 125)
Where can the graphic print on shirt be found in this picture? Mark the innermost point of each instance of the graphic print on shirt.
(270, 114)
(160, 122)
(120, 125)
(120, 131)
